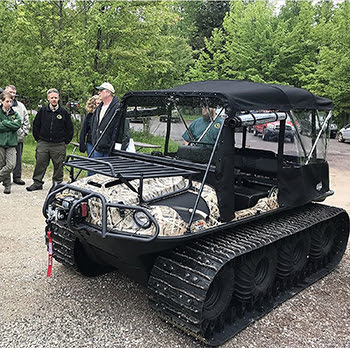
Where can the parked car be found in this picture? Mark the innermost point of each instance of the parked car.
(24, 100)
(72, 105)
(270, 131)
(142, 115)
(174, 117)
(344, 133)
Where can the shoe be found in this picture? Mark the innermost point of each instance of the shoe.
(19, 181)
(7, 190)
(34, 187)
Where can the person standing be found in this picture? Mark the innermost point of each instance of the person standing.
(116, 133)
(21, 133)
(10, 122)
(53, 130)
(85, 139)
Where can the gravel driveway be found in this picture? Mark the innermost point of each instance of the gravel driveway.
(68, 310)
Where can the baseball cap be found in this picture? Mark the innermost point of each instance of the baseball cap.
(106, 85)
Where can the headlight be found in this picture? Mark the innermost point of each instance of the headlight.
(271, 126)
(142, 219)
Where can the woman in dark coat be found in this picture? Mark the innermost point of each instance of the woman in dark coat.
(85, 140)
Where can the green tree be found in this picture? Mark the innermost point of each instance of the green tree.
(133, 45)
(200, 18)
(299, 44)
(244, 48)
(332, 75)
(75, 45)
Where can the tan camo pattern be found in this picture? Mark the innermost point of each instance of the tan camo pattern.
(169, 221)
(263, 205)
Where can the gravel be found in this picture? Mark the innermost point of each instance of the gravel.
(69, 310)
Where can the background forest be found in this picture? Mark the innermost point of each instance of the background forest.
(76, 45)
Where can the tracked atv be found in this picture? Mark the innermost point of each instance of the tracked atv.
(220, 231)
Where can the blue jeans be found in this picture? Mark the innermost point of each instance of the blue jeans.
(88, 148)
(96, 154)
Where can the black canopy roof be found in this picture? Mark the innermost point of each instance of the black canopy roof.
(235, 96)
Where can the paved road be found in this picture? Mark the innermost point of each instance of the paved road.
(337, 153)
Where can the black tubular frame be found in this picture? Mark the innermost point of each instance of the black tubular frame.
(86, 195)
(127, 167)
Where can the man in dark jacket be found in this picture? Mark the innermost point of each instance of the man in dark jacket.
(117, 133)
(53, 130)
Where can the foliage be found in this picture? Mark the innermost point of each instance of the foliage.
(145, 137)
(305, 45)
(332, 73)
(76, 45)
(200, 18)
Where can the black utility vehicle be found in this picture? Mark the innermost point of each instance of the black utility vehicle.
(221, 233)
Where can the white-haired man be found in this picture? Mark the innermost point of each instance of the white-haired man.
(105, 115)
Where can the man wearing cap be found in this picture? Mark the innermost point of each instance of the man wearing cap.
(106, 123)
(21, 133)
(52, 129)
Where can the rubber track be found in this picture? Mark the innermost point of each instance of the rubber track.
(63, 241)
(181, 278)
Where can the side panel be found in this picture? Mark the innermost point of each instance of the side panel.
(303, 184)
(224, 175)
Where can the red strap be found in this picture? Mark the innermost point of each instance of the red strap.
(49, 268)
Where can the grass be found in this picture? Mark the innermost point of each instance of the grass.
(148, 138)
(28, 157)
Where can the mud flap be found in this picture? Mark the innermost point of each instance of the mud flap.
(298, 186)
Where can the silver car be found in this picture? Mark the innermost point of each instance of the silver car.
(344, 133)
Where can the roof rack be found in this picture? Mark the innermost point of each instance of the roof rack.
(120, 166)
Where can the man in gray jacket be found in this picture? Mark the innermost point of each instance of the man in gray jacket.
(22, 132)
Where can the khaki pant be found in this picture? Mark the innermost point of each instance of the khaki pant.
(43, 153)
(7, 164)
(17, 172)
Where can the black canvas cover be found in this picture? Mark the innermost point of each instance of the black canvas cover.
(300, 185)
(236, 95)
(296, 185)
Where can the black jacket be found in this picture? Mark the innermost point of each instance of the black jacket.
(117, 131)
(53, 126)
(85, 132)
